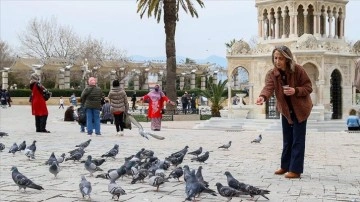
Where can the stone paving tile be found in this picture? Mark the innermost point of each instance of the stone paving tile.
(331, 163)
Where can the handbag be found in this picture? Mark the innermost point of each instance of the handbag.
(127, 122)
(46, 94)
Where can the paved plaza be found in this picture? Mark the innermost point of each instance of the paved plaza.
(332, 171)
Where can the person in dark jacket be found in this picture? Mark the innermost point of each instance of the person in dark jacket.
(69, 114)
(91, 100)
(133, 100)
(38, 104)
(292, 88)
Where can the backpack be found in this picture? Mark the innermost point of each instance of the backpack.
(82, 115)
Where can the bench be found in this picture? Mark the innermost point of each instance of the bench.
(352, 131)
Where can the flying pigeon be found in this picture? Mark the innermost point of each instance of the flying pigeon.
(112, 153)
(226, 146)
(22, 181)
(115, 190)
(196, 152)
(251, 190)
(2, 147)
(22, 146)
(229, 192)
(90, 166)
(85, 187)
(54, 168)
(176, 173)
(84, 144)
(142, 132)
(14, 148)
(201, 158)
(257, 140)
(30, 150)
(2, 134)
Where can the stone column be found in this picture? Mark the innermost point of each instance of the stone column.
(122, 73)
(62, 78)
(113, 77)
(292, 19)
(203, 82)
(67, 78)
(321, 92)
(215, 79)
(323, 26)
(160, 77)
(317, 24)
(182, 81)
(296, 25)
(236, 81)
(192, 80)
(330, 24)
(136, 82)
(260, 27)
(342, 26)
(306, 22)
(277, 25)
(5, 78)
(272, 27)
(146, 84)
(283, 15)
(336, 33)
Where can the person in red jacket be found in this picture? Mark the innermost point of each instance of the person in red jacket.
(292, 87)
(38, 104)
(156, 99)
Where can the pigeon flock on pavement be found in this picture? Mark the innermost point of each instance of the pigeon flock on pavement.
(142, 167)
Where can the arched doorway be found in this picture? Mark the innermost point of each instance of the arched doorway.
(336, 94)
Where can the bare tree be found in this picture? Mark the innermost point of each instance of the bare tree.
(6, 58)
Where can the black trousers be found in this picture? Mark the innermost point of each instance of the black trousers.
(119, 122)
(40, 123)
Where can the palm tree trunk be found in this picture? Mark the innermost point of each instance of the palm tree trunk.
(170, 27)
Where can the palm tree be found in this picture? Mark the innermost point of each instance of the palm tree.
(171, 15)
(214, 95)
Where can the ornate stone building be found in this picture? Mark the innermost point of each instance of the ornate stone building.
(315, 32)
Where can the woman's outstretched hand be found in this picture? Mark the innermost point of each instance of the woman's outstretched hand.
(259, 100)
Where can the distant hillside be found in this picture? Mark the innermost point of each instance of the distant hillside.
(211, 59)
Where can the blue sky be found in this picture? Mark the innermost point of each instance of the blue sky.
(117, 23)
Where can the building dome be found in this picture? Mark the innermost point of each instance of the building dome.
(356, 47)
(240, 47)
(307, 41)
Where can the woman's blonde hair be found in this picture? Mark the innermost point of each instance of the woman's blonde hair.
(286, 52)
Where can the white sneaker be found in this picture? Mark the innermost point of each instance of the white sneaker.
(118, 133)
(121, 133)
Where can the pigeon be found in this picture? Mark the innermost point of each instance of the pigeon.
(225, 146)
(250, 190)
(97, 162)
(90, 166)
(142, 132)
(180, 153)
(2, 147)
(84, 144)
(76, 156)
(176, 173)
(147, 154)
(22, 181)
(257, 140)
(156, 181)
(14, 148)
(51, 159)
(54, 168)
(112, 153)
(80, 149)
(85, 187)
(22, 146)
(200, 178)
(140, 175)
(113, 174)
(201, 158)
(61, 158)
(30, 150)
(175, 160)
(115, 190)
(229, 192)
(2, 134)
(161, 173)
(186, 172)
(196, 152)
(194, 187)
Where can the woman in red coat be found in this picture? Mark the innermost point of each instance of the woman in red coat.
(156, 100)
(38, 104)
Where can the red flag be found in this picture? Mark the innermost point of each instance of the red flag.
(357, 74)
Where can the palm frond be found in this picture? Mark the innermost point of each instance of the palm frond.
(214, 95)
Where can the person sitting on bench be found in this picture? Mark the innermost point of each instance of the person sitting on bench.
(353, 122)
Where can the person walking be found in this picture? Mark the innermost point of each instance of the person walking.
(156, 100)
(292, 87)
(133, 100)
(91, 100)
(185, 102)
(119, 105)
(38, 104)
(353, 122)
(61, 102)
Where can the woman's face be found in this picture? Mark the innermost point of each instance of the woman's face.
(279, 60)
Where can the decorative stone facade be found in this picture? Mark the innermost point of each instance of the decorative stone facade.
(314, 31)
